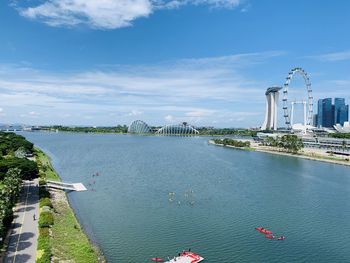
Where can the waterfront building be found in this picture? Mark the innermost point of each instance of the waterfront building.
(343, 128)
(177, 130)
(331, 114)
(341, 111)
(319, 113)
(272, 95)
(325, 113)
(343, 114)
(314, 120)
(139, 127)
(328, 113)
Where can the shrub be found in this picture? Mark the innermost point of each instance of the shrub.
(43, 232)
(46, 209)
(43, 192)
(42, 182)
(44, 248)
(45, 202)
(44, 257)
(46, 219)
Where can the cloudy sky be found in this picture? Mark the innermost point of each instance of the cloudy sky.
(207, 62)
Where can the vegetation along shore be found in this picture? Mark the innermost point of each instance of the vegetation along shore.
(61, 237)
(15, 166)
(289, 145)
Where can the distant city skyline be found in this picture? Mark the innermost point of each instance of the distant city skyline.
(331, 112)
(206, 62)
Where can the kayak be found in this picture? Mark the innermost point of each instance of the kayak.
(266, 232)
(157, 259)
(269, 236)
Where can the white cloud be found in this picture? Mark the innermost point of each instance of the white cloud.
(135, 113)
(333, 57)
(30, 115)
(196, 91)
(106, 14)
(200, 113)
(169, 4)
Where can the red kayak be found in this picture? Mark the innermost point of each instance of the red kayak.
(269, 236)
(266, 232)
(157, 259)
(260, 228)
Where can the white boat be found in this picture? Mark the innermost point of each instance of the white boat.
(186, 257)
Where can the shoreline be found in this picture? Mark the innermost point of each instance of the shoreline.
(142, 134)
(277, 152)
(61, 201)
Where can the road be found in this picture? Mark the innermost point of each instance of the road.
(23, 238)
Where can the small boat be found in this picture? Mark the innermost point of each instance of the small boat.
(157, 259)
(186, 257)
(263, 230)
(266, 232)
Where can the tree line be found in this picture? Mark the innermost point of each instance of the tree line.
(14, 167)
(116, 129)
(232, 142)
(226, 131)
(289, 142)
(340, 135)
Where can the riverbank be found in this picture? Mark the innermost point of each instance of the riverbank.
(306, 153)
(68, 241)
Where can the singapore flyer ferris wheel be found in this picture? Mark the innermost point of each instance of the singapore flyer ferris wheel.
(308, 104)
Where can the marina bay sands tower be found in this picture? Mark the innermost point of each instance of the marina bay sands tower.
(270, 122)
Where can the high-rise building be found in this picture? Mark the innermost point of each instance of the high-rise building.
(319, 113)
(270, 122)
(331, 114)
(325, 113)
(343, 114)
(314, 120)
(341, 111)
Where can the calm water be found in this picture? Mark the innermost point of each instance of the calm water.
(221, 195)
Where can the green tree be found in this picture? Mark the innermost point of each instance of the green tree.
(9, 192)
(29, 169)
(291, 143)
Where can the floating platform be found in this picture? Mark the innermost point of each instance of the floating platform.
(186, 257)
(66, 186)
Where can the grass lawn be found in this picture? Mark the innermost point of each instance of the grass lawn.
(69, 242)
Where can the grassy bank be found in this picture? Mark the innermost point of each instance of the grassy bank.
(46, 170)
(67, 240)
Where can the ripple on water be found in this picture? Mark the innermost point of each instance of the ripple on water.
(132, 219)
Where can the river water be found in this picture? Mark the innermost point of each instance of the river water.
(156, 196)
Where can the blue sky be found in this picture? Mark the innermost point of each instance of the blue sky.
(207, 62)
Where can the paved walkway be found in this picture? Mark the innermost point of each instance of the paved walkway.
(24, 233)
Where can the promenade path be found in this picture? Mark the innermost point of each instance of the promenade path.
(24, 233)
